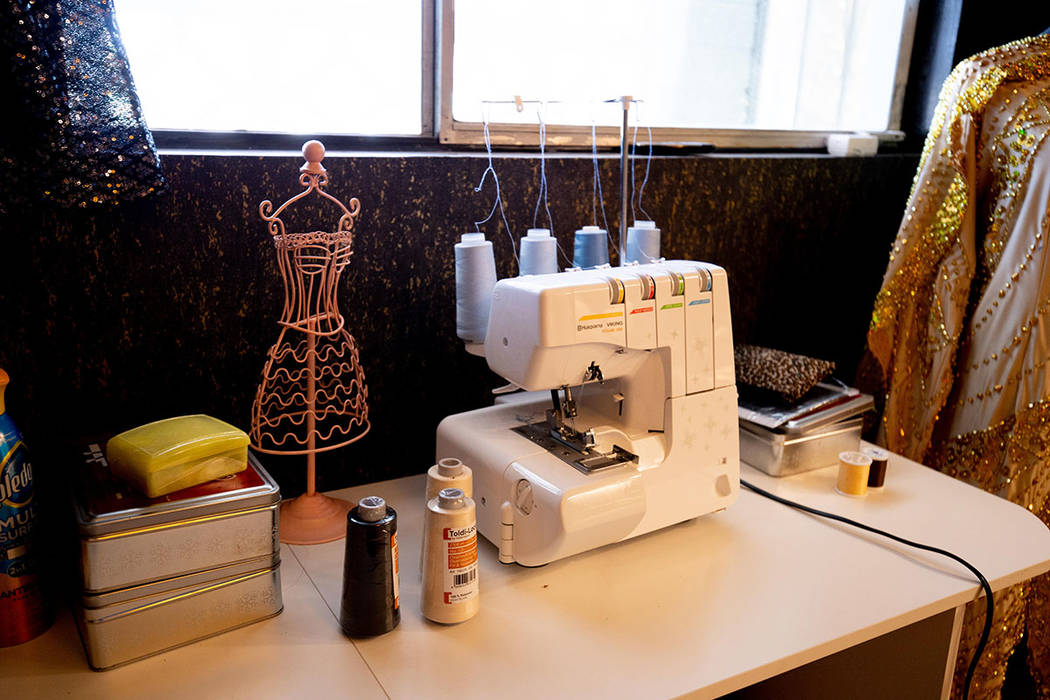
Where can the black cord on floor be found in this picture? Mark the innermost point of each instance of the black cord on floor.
(980, 577)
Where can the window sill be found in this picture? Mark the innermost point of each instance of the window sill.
(192, 143)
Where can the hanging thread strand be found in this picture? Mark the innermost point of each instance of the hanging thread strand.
(545, 190)
(645, 180)
(634, 152)
(596, 191)
(648, 162)
(542, 198)
(498, 203)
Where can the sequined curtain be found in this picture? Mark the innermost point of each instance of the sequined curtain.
(76, 136)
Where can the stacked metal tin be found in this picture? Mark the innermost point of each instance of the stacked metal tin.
(784, 439)
(162, 572)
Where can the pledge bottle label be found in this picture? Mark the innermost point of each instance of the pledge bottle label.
(23, 613)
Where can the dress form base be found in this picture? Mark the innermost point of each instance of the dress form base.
(313, 519)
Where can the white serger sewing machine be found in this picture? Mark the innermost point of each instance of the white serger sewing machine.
(639, 430)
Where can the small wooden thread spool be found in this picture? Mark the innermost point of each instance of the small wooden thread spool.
(879, 459)
(853, 473)
(450, 566)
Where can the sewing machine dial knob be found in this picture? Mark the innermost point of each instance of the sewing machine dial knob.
(523, 496)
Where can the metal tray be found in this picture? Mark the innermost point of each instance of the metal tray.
(836, 413)
(106, 504)
(826, 403)
(778, 454)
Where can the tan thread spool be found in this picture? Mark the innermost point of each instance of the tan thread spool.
(448, 473)
(853, 473)
(450, 565)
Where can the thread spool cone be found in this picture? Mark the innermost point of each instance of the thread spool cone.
(643, 242)
(475, 279)
(590, 247)
(313, 519)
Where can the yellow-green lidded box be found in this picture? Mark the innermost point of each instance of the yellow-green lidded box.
(176, 453)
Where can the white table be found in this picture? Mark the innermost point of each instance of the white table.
(702, 608)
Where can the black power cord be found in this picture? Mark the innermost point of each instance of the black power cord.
(918, 545)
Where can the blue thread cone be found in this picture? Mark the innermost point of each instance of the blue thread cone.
(591, 247)
(539, 252)
(643, 242)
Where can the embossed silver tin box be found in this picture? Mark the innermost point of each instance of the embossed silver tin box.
(779, 454)
(128, 539)
(135, 622)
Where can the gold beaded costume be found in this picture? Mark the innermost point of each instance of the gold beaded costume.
(960, 327)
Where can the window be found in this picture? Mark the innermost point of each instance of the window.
(318, 67)
(734, 72)
(714, 70)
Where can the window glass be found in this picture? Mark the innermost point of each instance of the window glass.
(764, 64)
(318, 67)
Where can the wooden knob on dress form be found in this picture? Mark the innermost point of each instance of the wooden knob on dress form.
(313, 152)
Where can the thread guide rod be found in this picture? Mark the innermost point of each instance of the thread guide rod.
(626, 99)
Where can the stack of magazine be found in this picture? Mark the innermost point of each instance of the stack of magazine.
(787, 438)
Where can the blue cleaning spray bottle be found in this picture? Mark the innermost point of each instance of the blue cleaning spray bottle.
(23, 608)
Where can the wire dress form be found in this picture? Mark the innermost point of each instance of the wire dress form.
(312, 397)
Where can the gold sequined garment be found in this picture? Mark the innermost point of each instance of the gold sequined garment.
(958, 327)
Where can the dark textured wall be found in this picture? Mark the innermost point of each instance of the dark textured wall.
(167, 306)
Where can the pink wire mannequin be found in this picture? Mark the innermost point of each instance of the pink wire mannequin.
(312, 397)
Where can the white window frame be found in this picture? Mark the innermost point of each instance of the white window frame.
(428, 84)
(454, 132)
